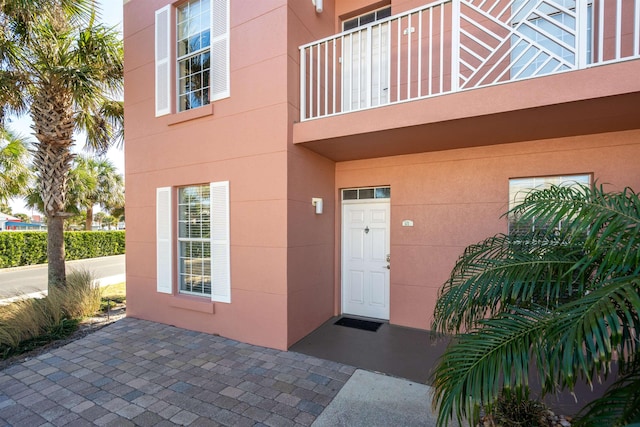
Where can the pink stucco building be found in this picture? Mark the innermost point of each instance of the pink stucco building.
(288, 161)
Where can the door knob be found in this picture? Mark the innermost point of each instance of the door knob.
(388, 267)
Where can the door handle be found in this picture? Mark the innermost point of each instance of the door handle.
(388, 267)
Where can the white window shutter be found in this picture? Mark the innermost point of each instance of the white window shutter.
(163, 63)
(220, 250)
(164, 244)
(219, 49)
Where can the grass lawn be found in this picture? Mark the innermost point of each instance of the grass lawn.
(113, 295)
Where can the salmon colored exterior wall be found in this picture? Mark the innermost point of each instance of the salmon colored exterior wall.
(244, 142)
(456, 198)
(448, 161)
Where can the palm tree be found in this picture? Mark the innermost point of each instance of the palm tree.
(99, 218)
(104, 186)
(70, 69)
(14, 171)
(566, 299)
(17, 18)
(22, 216)
(109, 221)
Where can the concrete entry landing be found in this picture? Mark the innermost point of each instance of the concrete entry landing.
(413, 353)
(393, 350)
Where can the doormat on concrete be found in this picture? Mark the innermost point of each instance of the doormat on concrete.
(365, 325)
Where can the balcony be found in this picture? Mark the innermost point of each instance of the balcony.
(448, 53)
(457, 45)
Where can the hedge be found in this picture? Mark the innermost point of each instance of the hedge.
(30, 247)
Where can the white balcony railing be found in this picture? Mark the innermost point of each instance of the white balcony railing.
(453, 45)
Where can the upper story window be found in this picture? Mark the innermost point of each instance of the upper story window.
(194, 54)
(200, 52)
(520, 187)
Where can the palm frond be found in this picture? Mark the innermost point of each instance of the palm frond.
(493, 274)
(608, 222)
(619, 406)
(14, 171)
(566, 293)
(590, 332)
(104, 126)
(478, 365)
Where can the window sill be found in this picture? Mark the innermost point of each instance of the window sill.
(192, 303)
(196, 113)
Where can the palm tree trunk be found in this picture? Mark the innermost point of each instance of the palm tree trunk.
(55, 250)
(88, 225)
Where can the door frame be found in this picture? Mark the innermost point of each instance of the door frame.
(381, 201)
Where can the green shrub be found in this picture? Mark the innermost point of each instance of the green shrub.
(30, 247)
(35, 249)
(12, 246)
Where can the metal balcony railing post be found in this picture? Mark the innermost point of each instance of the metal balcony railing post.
(303, 78)
(582, 41)
(455, 44)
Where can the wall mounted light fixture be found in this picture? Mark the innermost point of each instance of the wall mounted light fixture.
(318, 5)
(317, 202)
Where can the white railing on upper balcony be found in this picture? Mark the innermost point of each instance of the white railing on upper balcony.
(453, 45)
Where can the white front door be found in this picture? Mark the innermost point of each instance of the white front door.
(365, 259)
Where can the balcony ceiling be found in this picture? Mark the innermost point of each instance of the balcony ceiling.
(595, 100)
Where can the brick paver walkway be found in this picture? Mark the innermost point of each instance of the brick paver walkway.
(135, 372)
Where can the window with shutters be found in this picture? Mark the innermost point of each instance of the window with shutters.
(203, 240)
(201, 55)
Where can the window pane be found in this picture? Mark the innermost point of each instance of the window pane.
(193, 44)
(194, 227)
(350, 195)
(368, 18)
(365, 193)
(383, 193)
(349, 25)
(384, 13)
(519, 188)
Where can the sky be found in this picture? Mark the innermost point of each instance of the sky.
(112, 16)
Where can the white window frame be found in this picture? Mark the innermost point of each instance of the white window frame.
(519, 188)
(184, 220)
(220, 270)
(187, 57)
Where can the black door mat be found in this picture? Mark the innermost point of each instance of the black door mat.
(365, 325)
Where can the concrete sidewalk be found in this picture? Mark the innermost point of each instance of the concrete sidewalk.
(371, 399)
(135, 372)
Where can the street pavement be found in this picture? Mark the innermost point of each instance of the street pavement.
(33, 279)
